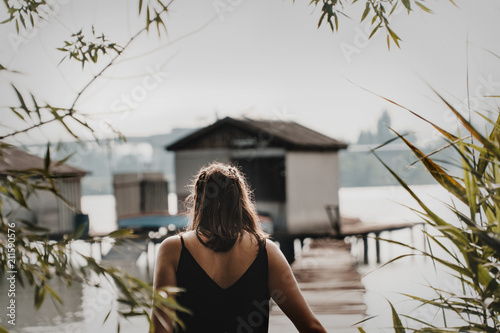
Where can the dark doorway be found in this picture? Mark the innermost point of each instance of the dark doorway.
(266, 176)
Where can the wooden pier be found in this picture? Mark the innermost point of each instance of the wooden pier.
(358, 229)
(331, 285)
(349, 227)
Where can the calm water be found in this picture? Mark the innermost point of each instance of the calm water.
(85, 308)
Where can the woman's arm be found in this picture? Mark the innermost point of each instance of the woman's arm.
(286, 293)
(165, 268)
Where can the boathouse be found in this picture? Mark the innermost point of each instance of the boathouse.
(293, 170)
(46, 209)
(142, 202)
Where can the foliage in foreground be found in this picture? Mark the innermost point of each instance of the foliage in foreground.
(28, 252)
(472, 243)
(378, 12)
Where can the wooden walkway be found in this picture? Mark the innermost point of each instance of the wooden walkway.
(331, 285)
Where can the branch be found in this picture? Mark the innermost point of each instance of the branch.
(71, 110)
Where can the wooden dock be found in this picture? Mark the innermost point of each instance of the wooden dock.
(331, 285)
(356, 228)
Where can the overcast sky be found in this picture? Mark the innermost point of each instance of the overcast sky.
(259, 58)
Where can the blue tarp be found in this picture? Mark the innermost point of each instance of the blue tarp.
(154, 221)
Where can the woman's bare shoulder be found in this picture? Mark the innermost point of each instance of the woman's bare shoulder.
(273, 251)
(170, 247)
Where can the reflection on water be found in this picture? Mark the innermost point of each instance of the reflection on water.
(51, 313)
(84, 308)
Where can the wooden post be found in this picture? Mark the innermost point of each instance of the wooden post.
(147, 258)
(377, 246)
(365, 249)
(286, 246)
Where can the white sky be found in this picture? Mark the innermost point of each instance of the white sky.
(260, 58)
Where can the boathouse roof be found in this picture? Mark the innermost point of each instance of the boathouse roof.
(247, 133)
(13, 159)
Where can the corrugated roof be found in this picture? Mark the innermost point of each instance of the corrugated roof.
(287, 134)
(13, 159)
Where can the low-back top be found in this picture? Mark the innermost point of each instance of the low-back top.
(242, 307)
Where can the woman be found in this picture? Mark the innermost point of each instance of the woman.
(226, 265)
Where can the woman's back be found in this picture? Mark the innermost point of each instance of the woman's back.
(226, 264)
(226, 292)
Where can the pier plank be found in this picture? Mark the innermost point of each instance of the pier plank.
(331, 285)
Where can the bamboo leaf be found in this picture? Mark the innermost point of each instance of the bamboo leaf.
(419, 321)
(46, 164)
(17, 113)
(21, 100)
(406, 3)
(393, 35)
(484, 157)
(120, 233)
(39, 296)
(37, 108)
(54, 294)
(437, 172)
(423, 7)
(366, 11)
(64, 160)
(396, 321)
(362, 321)
(494, 149)
(61, 121)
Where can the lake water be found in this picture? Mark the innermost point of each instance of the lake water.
(85, 308)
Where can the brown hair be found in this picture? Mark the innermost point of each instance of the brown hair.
(222, 207)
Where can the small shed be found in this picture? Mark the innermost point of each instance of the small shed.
(142, 202)
(46, 210)
(293, 170)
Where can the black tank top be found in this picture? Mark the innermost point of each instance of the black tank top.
(242, 307)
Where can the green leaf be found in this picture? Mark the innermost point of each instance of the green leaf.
(489, 145)
(406, 3)
(20, 97)
(366, 11)
(64, 160)
(22, 20)
(374, 31)
(37, 108)
(393, 35)
(61, 120)
(107, 316)
(17, 195)
(17, 113)
(393, 9)
(445, 180)
(54, 294)
(120, 233)
(39, 296)
(396, 321)
(424, 8)
(46, 164)
(364, 320)
(321, 19)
